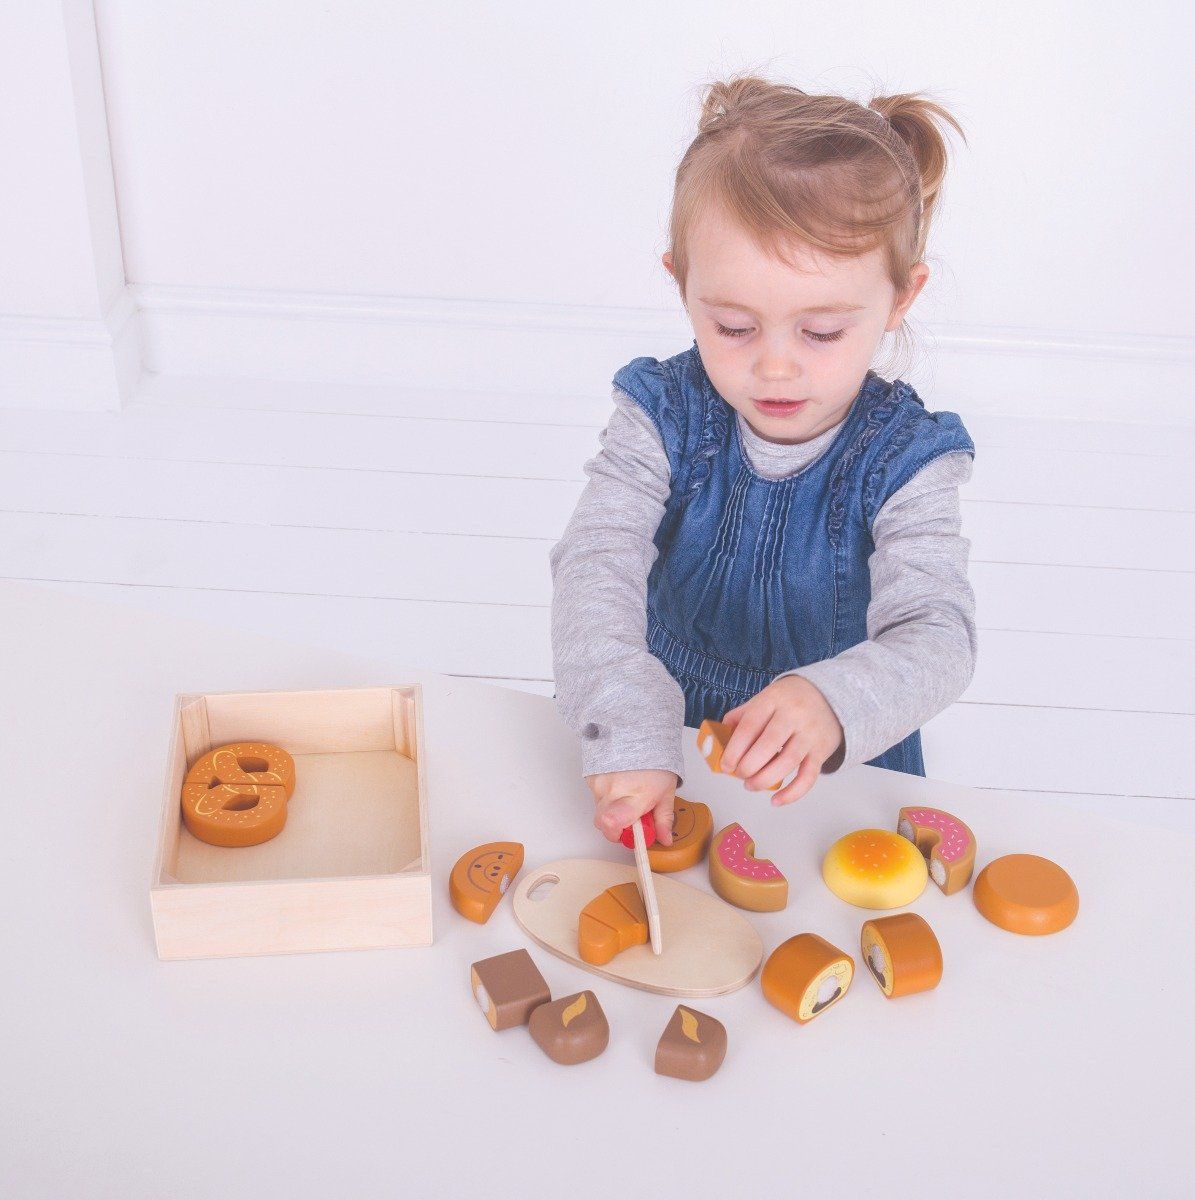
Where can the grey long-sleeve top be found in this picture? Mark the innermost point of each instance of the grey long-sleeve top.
(920, 651)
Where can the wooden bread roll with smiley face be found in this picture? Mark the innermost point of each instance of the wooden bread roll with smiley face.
(481, 876)
(692, 827)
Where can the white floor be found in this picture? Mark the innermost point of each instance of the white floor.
(370, 520)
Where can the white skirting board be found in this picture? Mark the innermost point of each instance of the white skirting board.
(510, 348)
(71, 365)
(496, 572)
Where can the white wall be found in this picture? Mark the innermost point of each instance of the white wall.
(68, 336)
(292, 183)
(476, 194)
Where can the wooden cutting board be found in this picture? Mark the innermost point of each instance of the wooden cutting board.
(710, 948)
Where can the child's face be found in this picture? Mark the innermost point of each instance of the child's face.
(780, 349)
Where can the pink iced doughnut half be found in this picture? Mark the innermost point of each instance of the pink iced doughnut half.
(734, 849)
(945, 841)
(740, 878)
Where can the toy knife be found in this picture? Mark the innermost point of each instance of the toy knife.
(647, 889)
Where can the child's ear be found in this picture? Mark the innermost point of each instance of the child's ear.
(666, 259)
(904, 301)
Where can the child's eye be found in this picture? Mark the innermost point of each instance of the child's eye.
(817, 337)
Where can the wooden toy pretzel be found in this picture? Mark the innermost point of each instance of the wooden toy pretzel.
(236, 795)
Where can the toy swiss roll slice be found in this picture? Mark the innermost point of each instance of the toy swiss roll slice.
(947, 844)
(806, 975)
(712, 737)
(902, 954)
(742, 879)
(481, 876)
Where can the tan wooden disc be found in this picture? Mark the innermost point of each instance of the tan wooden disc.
(710, 948)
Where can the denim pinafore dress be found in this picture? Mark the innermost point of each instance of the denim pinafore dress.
(757, 576)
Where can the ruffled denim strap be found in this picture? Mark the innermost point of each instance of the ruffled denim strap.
(919, 438)
(714, 430)
(878, 411)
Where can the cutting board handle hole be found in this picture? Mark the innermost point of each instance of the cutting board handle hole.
(541, 887)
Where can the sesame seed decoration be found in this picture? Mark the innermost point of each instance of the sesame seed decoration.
(955, 838)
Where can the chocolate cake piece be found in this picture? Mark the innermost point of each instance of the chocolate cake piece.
(508, 987)
(572, 1030)
(693, 1045)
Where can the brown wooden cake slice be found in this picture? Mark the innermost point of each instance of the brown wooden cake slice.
(692, 1045)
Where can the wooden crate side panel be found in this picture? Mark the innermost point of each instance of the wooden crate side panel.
(231, 920)
(403, 714)
(315, 722)
(421, 765)
(409, 739)
(197, 736)
(170, 820)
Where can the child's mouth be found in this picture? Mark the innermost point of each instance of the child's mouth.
(779, 408)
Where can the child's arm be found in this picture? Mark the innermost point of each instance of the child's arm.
(610, 689)
(919, 655)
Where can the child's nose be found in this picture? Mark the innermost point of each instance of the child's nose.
(777, 364)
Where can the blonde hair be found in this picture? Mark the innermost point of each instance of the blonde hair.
(818, 170)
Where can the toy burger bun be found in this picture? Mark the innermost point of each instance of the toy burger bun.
(692, 826)
(481, 876)
(805, 975)
(902, 954)
(875, 868)
(1026, 894)
(945, 841)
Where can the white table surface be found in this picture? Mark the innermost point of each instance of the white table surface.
(1059, 1066)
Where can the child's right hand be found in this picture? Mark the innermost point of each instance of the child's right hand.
(622, 797)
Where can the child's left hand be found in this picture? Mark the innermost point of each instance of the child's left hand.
(788, 724)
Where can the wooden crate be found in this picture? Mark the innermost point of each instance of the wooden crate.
(351, 870)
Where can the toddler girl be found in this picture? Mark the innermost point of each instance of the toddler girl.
(770, 534)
